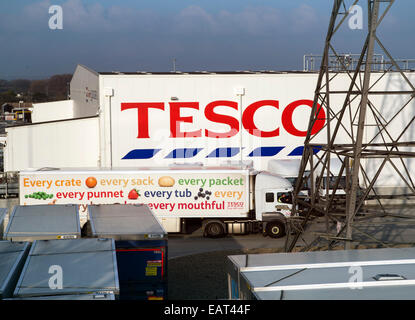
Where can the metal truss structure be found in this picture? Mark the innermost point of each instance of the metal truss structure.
(349, 60)
(369, 131)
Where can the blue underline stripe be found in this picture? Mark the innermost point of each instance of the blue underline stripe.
(183, 153)
(265, 151)
(141, 154)
(223, 153)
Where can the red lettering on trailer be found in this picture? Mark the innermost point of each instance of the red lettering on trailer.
(142, 110)
(176, 119)
(247, 118)
(221, 118)
(287, 118)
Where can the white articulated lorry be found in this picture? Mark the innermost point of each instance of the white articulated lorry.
(226, 199)
(118, 122)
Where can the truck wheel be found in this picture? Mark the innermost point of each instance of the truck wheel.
(275, 229)
(214, 229)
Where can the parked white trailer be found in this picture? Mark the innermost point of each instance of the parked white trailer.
(154, 120)
(229, 199)
(65, 143)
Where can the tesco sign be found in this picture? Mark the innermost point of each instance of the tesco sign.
(176, 117)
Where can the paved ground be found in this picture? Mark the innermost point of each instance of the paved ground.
(180, 246)
(196, 264)
(371, 232)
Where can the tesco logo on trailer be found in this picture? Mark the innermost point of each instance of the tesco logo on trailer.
(211, 114)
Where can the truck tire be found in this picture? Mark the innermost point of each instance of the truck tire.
(214, 229)
(275, 229)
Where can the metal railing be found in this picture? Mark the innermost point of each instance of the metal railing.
(349, 61)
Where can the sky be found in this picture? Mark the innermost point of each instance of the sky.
(213, 35)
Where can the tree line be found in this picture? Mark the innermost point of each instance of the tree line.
(52, 89)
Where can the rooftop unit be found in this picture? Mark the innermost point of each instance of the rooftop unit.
(43, 222)
(81, 266)
(12, 258)
(141, 246)
(125, 222)
(87, 296)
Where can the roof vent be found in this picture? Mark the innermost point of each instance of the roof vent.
(47, 169)
(386, 277)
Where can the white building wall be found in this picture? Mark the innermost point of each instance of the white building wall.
(84, 91)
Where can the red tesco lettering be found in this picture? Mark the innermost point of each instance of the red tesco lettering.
(176, 118)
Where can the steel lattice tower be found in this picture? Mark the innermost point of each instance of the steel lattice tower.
(369, 131)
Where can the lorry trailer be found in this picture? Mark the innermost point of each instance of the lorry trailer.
(121, 120)
(226, 200)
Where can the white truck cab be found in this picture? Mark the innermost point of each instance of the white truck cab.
(273, 202)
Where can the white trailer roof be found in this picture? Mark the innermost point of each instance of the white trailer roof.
(88, 265)
(284, 167)
(265, 180)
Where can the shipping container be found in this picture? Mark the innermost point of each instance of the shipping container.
(69, 267)
(367, 274)
(43, 222)
(141, 245)
(12, 259)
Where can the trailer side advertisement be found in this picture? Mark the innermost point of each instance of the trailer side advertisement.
(168, 193)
